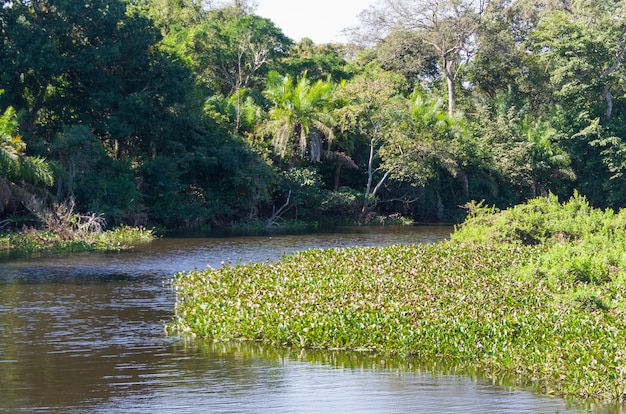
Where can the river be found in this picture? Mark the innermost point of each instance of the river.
(83, 333)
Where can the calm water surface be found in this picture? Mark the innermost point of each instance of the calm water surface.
(84, 333)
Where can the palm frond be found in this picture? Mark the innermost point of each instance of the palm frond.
(14, 164)
(299, 114)
(9, 158)
(282, 138)
(36, 169)
(326, 130)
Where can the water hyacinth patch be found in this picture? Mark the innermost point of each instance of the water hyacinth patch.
(501, 305)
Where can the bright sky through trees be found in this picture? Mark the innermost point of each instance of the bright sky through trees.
(320, 20)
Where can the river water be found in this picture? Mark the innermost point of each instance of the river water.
(83, 333)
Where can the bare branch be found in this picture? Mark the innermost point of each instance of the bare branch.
(277, 214)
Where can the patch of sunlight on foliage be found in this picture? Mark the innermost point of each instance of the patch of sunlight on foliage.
(535, 292)
(31, 240)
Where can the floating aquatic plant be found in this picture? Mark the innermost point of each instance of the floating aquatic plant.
(539, 296)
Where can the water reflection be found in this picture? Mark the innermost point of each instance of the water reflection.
(84, 333)
(226, 378)
(166, 256)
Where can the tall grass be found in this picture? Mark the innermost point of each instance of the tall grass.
(31, 240)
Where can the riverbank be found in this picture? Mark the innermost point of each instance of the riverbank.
(300, 225)
(534, 293)
(32, 240)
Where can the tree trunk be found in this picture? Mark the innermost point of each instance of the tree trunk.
(450, 81)
(337, 173)
(370, 166)
(374, 191)
(370, 176)
(238, 90)
(440, 208)
(5, 196)
(464, 180)
(609, 102)
(606, 73)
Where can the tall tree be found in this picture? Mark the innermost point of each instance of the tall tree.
(231, 51)
(372, 105)
(91, 63)
(447, 27)
(583, 50)
(172, 15)
(318, 61)
(524, 151)
(406, 52)
(299, 117)
(430, 142)
(31, 64)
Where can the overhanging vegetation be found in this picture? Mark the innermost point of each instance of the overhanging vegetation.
(178, 115)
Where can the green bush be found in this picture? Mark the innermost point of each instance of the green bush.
(30, 240)
(344, 203)
(579, 246)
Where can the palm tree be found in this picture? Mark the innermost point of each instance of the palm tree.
(17, 170)
(547, 161)
(299, 117)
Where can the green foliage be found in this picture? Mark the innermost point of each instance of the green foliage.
(480, 300)
(224, 111)
(112, 191)
(14, 163)
(610, 142)
(579, 51)
(86, 62)
(541, 221)
(171, 15)
(582, 249)
(318, 61)
(230, 50)
(246, 179)
(75, 149)
(220, 179)
(407, 53)
(299, 116)
(440, 32)
(343, 203)
(162, 189)
(430, 141)
(123, 237)
(309, 200)
(306, 189)
(111, 91)
(88, 175)
(46, 241)
(369, 110)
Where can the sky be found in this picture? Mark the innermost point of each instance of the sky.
(319, 20)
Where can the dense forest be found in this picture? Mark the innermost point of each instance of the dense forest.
(188, 114)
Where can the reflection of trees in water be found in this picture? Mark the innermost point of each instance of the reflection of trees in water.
(74, 342)
(273, 356)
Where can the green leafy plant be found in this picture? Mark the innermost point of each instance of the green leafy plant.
(487, 297)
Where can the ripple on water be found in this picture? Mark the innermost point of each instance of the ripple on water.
(84, 333)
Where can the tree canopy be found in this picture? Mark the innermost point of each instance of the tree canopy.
(180, 113)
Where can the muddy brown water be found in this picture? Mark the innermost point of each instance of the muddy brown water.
(83, 333)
